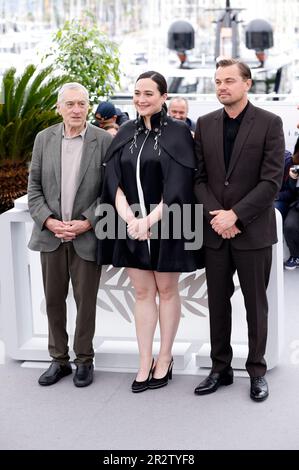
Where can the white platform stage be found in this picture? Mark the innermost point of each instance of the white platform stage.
(25, 323)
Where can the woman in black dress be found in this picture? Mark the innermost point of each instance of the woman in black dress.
(148, 168)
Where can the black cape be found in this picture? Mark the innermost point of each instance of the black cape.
(168, 171)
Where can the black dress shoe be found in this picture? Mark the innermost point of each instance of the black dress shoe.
(158, 383)
(214, 380)
(55, 372)
(258, 388)
(137, 386)
(83, 375)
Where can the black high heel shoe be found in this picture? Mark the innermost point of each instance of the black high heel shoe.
(158, 383)
(142, 386)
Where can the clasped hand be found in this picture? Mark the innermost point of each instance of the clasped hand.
(67, 230)
(223, 223)
(139, 229)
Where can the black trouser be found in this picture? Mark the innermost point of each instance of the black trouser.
(58, 267)
(253, 268)
(291, 231)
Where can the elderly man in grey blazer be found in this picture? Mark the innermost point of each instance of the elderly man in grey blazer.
(64, 184)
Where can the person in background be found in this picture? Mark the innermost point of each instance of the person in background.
(178, 109)
(291, 223)
(151, 165)
(285, 195)
(111, 128)
(240, 154)
(64, 184)
(106, 113)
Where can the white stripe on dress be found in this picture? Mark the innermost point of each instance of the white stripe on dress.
(139, 186)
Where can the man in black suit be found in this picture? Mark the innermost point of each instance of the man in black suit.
(240, 153)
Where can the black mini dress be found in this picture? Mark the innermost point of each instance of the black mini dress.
(150, 165)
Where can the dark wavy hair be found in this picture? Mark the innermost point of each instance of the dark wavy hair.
(244, 70)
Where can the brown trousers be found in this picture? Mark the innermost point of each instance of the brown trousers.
(253, 268)
(58, 267)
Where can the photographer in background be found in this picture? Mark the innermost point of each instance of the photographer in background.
(106, 113)
(291, 224)
(285, 196)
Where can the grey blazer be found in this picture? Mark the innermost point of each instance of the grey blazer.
(44, 187)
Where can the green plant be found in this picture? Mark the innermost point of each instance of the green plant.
(28, 107)
(83, 52)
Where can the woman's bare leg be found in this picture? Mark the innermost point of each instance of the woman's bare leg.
(146, 317)
(169, 318)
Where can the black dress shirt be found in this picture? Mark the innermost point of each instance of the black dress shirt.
(231, 128)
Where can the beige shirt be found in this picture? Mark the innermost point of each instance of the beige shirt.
(71, 154)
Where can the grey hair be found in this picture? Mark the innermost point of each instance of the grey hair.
(72, 86)
(178, 98)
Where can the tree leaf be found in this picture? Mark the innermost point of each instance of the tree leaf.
(86, 54)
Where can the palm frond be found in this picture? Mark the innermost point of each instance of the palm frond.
(33, 91)
(29, 107)
(21, 88)
(8, 85)
(2, 145)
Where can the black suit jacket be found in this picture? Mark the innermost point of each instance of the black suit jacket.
(253, 178)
